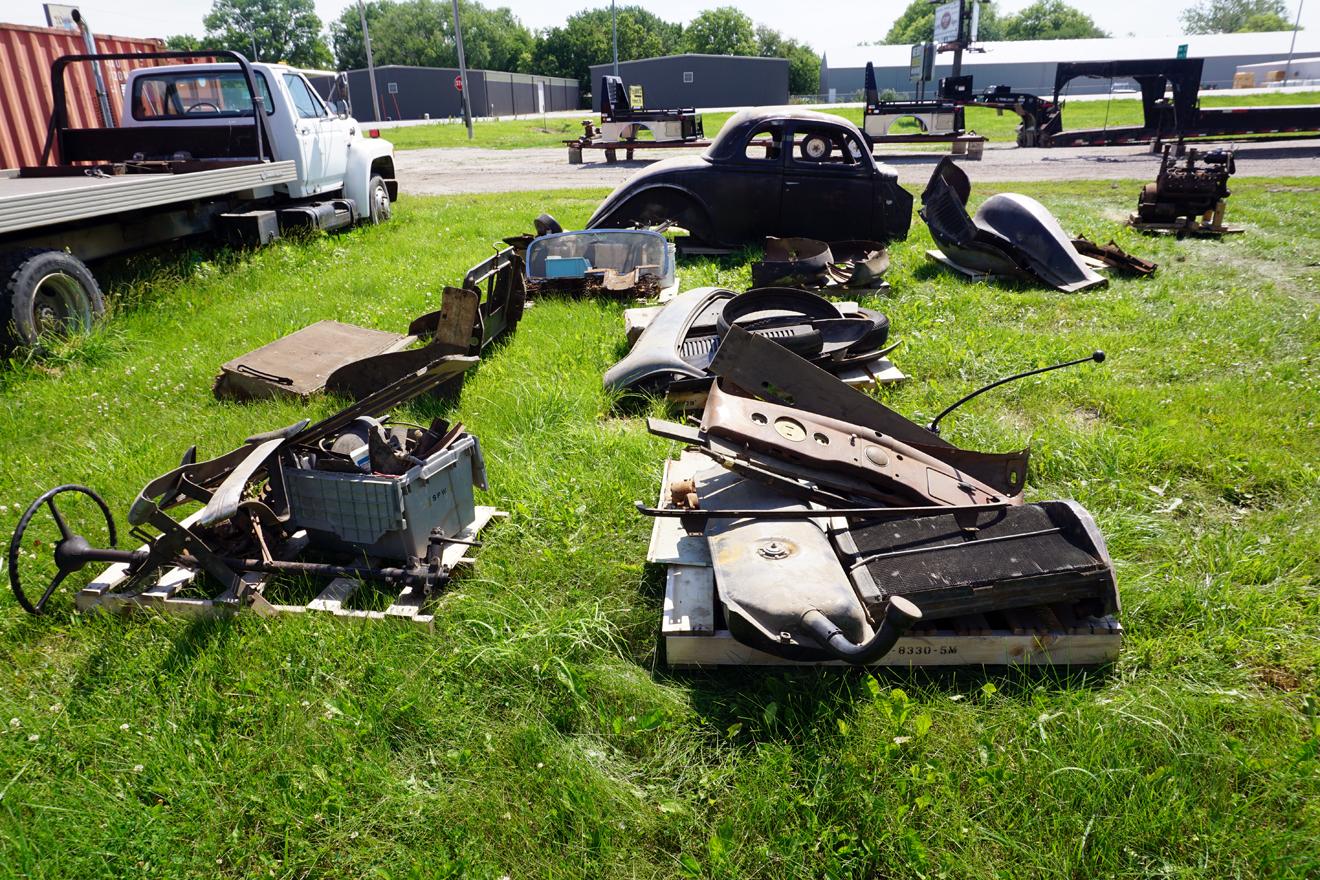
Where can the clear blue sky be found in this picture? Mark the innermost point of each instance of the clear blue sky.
(822, 23)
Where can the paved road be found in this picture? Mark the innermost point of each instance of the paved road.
(449, 171)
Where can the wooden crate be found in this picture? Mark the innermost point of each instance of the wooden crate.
(164, 595)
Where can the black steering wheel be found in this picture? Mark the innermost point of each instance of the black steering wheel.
(193, 108)
(70, 550)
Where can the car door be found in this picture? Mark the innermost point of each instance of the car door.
(828, 182)
(750, 184)
(322, 136)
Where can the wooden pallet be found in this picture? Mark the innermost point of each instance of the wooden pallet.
(164, 595)
(694, 634)
(613, 148)
(1041, 636)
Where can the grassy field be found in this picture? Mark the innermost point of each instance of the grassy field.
(511, 134)
(535, 733)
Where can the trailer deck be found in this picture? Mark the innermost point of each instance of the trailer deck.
(31, 203)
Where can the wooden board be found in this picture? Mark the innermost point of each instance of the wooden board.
(163, 596)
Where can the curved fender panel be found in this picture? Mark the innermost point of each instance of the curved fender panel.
(609, 216)
(1030, 228)
(361, 153)
(655, 358)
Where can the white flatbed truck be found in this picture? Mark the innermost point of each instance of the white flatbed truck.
(191, 157)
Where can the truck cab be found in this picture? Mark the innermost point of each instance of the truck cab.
(192, 155)
(334, 155)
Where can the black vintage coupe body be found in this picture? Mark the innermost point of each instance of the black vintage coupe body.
(771, 171)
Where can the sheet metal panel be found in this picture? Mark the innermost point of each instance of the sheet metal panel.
(26, 54)
(32, 203)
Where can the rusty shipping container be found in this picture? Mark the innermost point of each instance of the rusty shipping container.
(26, 54)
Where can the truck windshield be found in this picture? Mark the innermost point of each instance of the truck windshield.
(210, 95)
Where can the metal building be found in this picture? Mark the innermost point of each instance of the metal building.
(1028, 65)
(26, 54)
(419, 92)
(701, 80)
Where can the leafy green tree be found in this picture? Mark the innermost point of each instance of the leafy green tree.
(184, 43)
(1236, 16)
(916, 24)
(584, 40)
(803, 62)
(421, 33)
(1051, 20)
(724, 30)
(271, 30)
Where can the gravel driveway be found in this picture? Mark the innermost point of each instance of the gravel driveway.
(452, 170)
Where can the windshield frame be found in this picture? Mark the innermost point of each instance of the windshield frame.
(223, 76)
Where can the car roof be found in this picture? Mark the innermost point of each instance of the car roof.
(729, 142)
(209, 67)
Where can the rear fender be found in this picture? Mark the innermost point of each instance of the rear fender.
(657, 203)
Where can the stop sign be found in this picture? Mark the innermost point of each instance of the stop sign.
(458, 82)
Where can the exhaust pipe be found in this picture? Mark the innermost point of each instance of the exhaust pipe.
(900, 615)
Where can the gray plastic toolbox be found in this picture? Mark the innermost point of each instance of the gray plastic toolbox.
(389, 517)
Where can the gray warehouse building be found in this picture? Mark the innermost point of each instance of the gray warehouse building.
(416, 92)
(701, 80)
(1028, 65)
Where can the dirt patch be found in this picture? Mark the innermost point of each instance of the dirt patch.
(1279, 679)
(451, 170)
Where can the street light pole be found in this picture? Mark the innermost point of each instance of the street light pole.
(371, 64)
(1287, 68)
(462, 72)
(614, 34)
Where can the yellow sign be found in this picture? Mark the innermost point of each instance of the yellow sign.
(635, 97)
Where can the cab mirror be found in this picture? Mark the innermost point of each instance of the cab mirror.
(341, 108)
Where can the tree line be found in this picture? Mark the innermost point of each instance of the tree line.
(421, 33)
(1056, 20)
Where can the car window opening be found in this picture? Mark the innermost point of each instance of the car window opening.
(206, 95)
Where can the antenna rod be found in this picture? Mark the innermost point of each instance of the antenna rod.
(934, 427)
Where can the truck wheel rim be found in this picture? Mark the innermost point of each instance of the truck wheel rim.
(59, 303)
(381, 197)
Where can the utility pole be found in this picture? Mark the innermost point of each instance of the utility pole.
(1287, 68)
(371, 64)
(462, 72)
(614, 34)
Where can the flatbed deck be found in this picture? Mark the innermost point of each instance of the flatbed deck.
(32, 203)
(613, 148)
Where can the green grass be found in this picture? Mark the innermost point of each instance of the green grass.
(534, 733)
(509, 134)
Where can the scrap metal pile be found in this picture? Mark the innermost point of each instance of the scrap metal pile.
(388, 504)
(675, 351)
(357, 361)
(614, 262)
(1187, 198)
(1013, 236)
(827, 525)
(806, 262)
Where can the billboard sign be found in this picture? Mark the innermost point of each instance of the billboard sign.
(60, 16)
(918, 70)
(948, 22)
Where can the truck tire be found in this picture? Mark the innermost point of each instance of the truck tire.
(378, 200)
(44, 291)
